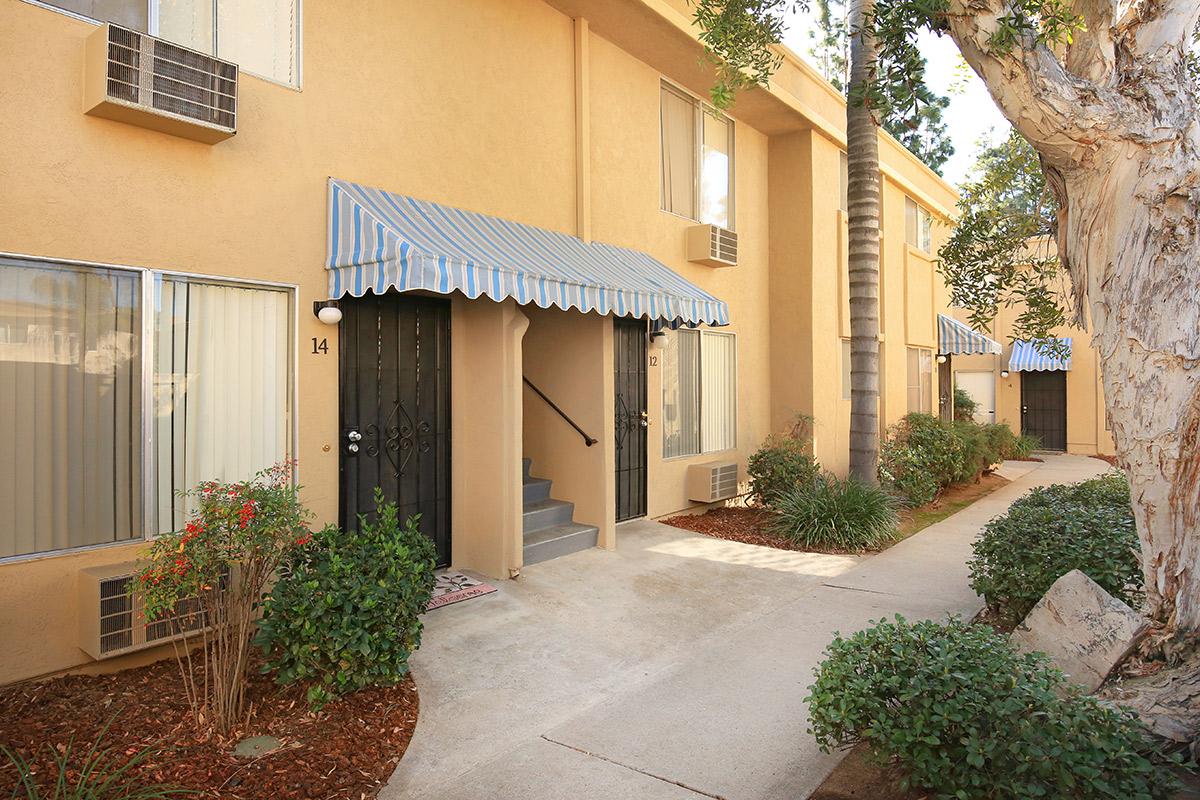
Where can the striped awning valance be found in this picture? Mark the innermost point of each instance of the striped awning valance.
(379, 241)
(1028, 356)
(956, 338)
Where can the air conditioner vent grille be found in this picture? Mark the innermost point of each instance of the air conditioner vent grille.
(194, 85)
(136, 78)
(124, 63)
(711, 482)
(712, 245)
(116, 614)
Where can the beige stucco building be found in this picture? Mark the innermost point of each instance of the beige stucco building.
(157, 319)
(1040, 394)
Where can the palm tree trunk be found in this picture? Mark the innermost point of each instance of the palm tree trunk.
(862, 152)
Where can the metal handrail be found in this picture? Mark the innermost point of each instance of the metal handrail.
(590, 441)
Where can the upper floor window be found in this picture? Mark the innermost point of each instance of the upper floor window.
(697, 159)
(261, 37)
(918, 225)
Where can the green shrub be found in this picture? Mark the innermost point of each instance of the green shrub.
(963, 715)
(977, 451)
(344, 613)
(1049, 532)
(920, 455)
(964, 405)
(842, 515)
(781, 464)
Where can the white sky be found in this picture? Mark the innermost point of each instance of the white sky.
(972, 116)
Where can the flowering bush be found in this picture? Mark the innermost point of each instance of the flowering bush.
(205, 581)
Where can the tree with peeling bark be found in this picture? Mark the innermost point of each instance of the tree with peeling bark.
(1105, 92)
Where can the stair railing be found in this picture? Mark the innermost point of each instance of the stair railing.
(588, 439)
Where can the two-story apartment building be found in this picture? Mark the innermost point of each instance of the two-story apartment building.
(454, 250)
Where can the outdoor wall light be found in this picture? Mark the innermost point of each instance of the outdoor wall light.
(941, 359)
(658, 340)
(1003, 373)
(327, 311)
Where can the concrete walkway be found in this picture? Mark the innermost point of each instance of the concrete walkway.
(671, 669)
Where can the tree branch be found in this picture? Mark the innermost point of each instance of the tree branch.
(1148, 26)
(1091, 53)
(1061, 113)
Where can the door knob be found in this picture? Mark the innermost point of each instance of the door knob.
(354, 436)
(645, 419)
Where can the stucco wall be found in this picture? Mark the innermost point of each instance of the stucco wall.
(471, 104)
(1087, 432)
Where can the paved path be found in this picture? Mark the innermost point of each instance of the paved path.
(671, 669)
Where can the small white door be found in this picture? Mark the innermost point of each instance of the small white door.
(982, 388)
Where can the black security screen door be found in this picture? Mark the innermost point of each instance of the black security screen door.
(629, 357)
(395, 410)
(1044, 407)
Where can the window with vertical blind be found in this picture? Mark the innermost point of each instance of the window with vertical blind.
(120, 388)
(697, 159)
(699, 378)
(920, 380)
(261, 36)
(918, 225)
(221, 386)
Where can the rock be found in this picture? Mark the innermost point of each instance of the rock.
(256, 746)
(1085, 630)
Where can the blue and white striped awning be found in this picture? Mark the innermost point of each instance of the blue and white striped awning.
(956, 338)
(1027, 356)
(379, 241)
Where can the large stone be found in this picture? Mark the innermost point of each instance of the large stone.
(256, 746)
(1085, 630)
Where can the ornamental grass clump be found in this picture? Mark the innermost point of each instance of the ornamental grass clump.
(345, 612)
(963, 716)
(1050, 531)
(205, 582)
(837, 515)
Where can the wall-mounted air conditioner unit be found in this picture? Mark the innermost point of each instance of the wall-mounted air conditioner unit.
(708, 483)
(135, 78)
(111, 619)
(712, 245)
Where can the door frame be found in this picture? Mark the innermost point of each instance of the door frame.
(1025, 403)
(344, 343)
(639, 326)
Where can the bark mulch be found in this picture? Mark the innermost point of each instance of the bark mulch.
(737, 524)
(1110, 460)
(346, 750)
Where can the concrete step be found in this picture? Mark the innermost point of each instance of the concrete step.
(546, 514)
(559, 540)
(535, 490)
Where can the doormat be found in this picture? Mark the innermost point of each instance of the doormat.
(454, 587)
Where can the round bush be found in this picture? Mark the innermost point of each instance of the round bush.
(781, 464)
(919, 457)
(840, 515)
(966, 717)
(344, 613)
(1051, 531)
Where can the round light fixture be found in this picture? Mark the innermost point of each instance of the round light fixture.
(658, 340)
(1003, 373)
(941, 359)
(329, 314)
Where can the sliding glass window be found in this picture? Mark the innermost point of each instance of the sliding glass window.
(221, 386)
(699, 380)
(215, 367)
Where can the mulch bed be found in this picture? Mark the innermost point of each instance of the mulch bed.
(739, 524)
(347, 750)
(1110, 460)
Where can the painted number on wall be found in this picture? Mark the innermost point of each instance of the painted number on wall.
(320, 347)
(654, 361)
